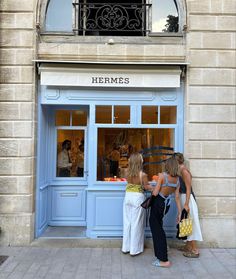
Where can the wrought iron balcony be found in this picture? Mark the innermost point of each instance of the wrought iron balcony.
(111, 19)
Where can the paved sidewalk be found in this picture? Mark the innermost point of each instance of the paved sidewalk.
(109, 263)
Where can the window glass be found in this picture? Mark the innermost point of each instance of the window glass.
(59, 16)
(103, 114)
(112, 18)
(149, 114)
(121, 114)
(79, 118)
(164, 16)
(62, 118)
(115, 145)
(168, 114)
(70, 153)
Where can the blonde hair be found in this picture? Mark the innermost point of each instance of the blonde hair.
(135, 164)
(172, 166)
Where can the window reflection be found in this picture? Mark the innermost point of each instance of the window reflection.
(165, 16)
(116, 145)
(70, 153)
(59, 16)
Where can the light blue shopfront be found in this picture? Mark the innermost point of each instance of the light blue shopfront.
(89, 201)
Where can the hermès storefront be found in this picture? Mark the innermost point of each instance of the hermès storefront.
(82, 81)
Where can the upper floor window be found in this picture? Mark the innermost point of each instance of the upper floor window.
(112, 17)
(59, 16)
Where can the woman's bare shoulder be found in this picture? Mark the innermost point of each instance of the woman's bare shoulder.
(185, 171)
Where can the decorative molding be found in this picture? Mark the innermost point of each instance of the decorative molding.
(169, 96)
(52, 94)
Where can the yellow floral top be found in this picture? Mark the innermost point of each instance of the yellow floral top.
(134, 188)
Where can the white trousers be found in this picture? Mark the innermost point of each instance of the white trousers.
(133, 223)
(197, 234)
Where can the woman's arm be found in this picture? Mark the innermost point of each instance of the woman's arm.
(146, 185)
(187, 178)
(177, 200)
(157, 188)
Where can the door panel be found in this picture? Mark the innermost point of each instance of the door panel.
(68, 206)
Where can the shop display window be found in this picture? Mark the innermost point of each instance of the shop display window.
(121, 114)
(168, 114)
(115, 145)
(71, 118)
(149, 114)
(113, 114)
(62, 118)
(70, 142)
(70, 153)
(103, 114)
(79, 118)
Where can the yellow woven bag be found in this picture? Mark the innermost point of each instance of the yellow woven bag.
(185, 227)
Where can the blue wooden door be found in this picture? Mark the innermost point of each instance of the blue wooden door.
(61, 167)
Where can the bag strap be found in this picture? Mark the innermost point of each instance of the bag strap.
(184, 214)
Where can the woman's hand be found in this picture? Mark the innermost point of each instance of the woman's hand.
(178, 218)
(155, 192)
(186, 207)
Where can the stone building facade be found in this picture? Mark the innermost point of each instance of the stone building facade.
(206, 49)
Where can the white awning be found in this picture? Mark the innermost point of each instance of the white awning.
(125, 76)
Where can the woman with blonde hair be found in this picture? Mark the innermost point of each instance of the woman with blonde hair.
(188, 203)
(133, 213)
(167, 184)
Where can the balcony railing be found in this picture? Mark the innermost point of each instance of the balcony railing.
(115, 19)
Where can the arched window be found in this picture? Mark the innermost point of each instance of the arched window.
(113, 17)
(59, 16)
(165, 17)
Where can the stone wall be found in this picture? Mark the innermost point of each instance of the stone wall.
(17, 128)
(210, 115)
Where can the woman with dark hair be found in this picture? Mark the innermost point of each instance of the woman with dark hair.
(63, 159)
(167, 184)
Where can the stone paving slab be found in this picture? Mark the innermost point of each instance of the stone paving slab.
(109, 263)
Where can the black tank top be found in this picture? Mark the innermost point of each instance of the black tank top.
(182, 188)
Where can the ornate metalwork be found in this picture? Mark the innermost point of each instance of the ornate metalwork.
(113, 17)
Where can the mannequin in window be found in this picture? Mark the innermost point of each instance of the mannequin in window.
(80, 166)
(63, 160)
(114, 157)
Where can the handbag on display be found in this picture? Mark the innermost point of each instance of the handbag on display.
(185, 227)
(147, 203)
